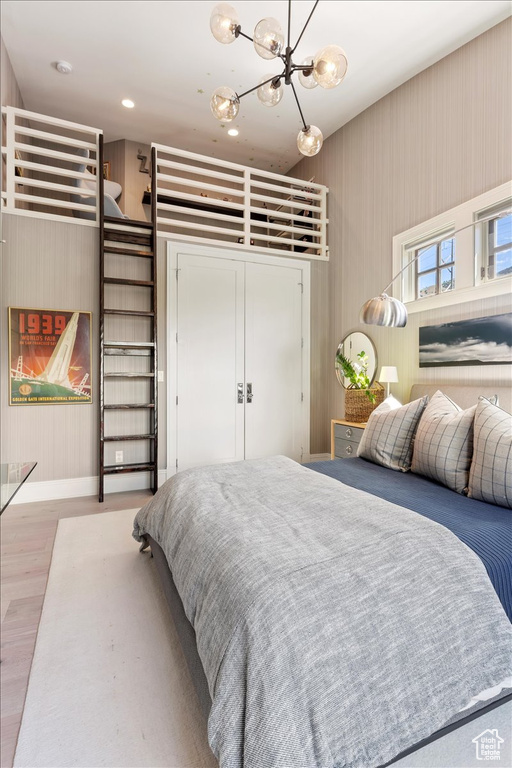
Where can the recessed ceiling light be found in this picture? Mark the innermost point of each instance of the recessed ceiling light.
(64, 67)
(128, 103)
(233, 132)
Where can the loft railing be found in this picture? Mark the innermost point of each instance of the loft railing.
(50, 170)
(202, 199)
(49, 167)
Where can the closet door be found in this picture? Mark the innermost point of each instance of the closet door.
(210, 360)
(273, 361)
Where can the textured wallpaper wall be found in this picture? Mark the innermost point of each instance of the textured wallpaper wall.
(438, 140)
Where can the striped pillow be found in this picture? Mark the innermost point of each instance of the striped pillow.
(443, 445)
(389, 434)
(490, 477)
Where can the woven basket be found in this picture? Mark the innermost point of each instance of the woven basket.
(357, 405)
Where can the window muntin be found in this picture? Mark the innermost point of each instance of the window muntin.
(435, 268)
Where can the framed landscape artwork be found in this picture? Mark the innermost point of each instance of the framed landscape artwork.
(49, 356)
(479, 341)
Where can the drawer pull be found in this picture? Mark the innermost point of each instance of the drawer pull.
(348, 432)
(348, 449)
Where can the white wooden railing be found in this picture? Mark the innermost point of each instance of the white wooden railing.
(43, 167)
(46, 172)
(202, 199)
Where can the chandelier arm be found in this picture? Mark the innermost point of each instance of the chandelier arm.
(242, 34)
(298, 106)
(270, 79)
(304, 28)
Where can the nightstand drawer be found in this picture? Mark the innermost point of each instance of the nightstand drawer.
(343, 432)
(344, 448)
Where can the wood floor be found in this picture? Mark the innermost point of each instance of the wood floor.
(27, 537)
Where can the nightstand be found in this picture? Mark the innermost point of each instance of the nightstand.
(345, 437)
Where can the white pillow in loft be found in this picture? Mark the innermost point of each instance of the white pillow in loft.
(111, 188)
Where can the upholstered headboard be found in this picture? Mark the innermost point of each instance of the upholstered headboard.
(465, 396)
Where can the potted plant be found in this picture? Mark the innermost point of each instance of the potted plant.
(360, 397)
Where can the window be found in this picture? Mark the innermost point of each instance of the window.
(435, 268)
(499, 249)
(457, 256)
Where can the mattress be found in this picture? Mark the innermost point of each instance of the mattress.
(484, 528)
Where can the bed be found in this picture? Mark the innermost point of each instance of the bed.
(300, 631)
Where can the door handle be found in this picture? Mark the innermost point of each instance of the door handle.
(240, 392)
(249, 393)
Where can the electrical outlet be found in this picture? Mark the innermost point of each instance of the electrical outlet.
(119, 457)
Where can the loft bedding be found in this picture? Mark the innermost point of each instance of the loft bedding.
(319, 611)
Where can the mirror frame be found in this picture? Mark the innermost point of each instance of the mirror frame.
(339, 375)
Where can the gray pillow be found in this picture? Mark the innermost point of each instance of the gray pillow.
(389, 434)
(490, 476)
(443, 445)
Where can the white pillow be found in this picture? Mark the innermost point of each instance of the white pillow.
(111, 188)
(443, 445)
(389, 434)
(490, 476)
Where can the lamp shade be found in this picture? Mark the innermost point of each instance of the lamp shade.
(225, 104)
(310, 142)
(330, 66)
(388, 374)
(384, 310)
(306, 76)
(268, 93)
(268, 38)
(223, 23)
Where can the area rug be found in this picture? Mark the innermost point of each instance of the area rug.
(109, 684)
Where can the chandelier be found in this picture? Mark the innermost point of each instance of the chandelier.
(327, 69)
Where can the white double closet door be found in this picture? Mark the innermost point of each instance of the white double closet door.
(239, 360)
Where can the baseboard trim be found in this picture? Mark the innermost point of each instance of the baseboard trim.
(311, 457)
(71, 488)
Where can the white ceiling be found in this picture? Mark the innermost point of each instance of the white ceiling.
(163, 56)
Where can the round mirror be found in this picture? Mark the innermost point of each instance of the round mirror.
(359, 350)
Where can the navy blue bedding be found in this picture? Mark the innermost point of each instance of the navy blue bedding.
(484, 528)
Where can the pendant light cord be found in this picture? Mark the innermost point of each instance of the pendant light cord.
(304, 28)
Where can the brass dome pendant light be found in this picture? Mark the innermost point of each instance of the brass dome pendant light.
(327, 69)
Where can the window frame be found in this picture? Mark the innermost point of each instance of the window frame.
(486, 250)
(470, 253)
(436, 270)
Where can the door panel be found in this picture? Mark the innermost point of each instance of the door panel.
(210, 360)
(273, 361)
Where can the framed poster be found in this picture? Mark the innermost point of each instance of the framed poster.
(479, 341)
(49, 356)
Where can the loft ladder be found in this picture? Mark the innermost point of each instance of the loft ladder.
(128, 345)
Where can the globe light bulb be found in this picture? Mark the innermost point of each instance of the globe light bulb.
(224, 104)
(268, 38)
(330, 66)
(307, 80)
(269, 94)
(223, 23)
(310, 142)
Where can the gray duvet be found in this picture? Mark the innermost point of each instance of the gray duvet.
(335, 629)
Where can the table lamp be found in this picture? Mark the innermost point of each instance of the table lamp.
(388, 375)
